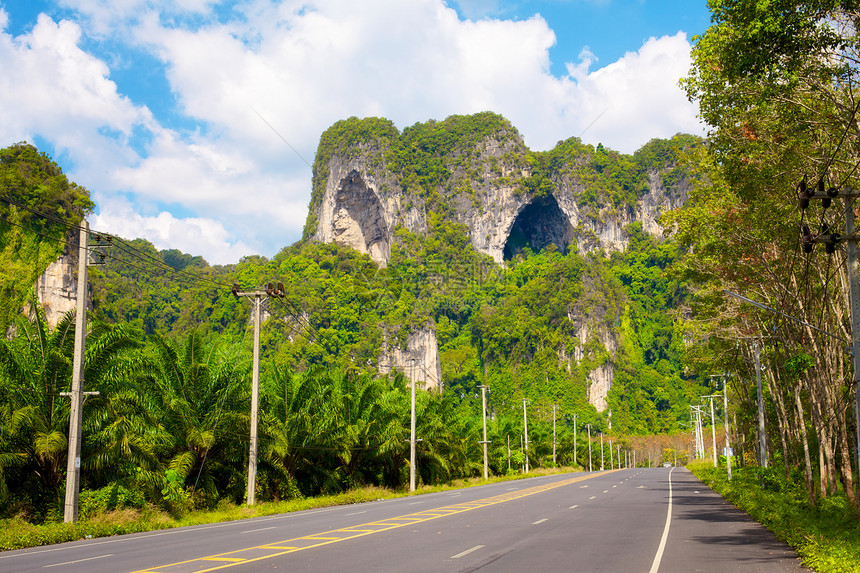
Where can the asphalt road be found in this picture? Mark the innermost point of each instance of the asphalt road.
(619, 521)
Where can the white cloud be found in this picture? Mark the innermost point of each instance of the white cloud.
(198, 236)
(638, 97)
(302, 65)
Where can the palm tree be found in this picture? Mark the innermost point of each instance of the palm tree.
(203, 419)
(35, 367)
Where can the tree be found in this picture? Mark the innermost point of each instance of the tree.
(776, 81)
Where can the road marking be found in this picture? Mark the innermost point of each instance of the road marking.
(606, 491)
(77, 561)
(466, 552)
(573, 506)
(415, 503)
(256, 530)
(655, 566)
(592, 497)
(539, 521)
(356, 513)
(583, 486)
(286, 546)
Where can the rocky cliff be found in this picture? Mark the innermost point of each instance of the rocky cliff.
(57, 286)
(507, 196)
(371, 180)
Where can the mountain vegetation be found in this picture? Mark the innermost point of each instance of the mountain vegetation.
(170, 424)
(169, 345)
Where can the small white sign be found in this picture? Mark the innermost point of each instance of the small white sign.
(78, 463)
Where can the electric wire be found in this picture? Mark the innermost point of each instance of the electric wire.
(116, 241)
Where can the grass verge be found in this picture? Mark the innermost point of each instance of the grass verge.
(827, 536)
(17, 533)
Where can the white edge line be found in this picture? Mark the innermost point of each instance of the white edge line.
(77, 561)
(143, 535)
(573, 506)
(539, 521)
(466, 552)
(655, 566)
(256, 530)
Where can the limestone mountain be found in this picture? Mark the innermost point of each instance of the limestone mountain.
(370, 180)
(374, 185)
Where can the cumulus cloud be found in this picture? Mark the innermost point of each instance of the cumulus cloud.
(250, 78)
(204, 237)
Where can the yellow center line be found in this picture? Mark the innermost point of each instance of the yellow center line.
(278, 548)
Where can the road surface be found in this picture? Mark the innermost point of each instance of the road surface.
(635, 520)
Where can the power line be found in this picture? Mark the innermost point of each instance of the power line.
(128, 247)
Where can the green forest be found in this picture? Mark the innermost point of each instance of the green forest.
(169, 351)
(169, 345)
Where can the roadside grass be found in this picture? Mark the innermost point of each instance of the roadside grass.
(18, 533)
(826, 536)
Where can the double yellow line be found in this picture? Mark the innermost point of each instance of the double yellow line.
(269, 550)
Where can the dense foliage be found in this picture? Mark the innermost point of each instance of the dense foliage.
(777, 83)
(30, 181)
(170, 424)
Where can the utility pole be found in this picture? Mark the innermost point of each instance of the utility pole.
(589, 446)
(73, 463)
(509, 452)
(257, 295)
(611, 463)
(830, 240)
(526, 427)
(726, 414)
(554, 406)
(601, 451)
(483, 388)
(713, 427)
(762, 445)
(574, 440)
(854, 296)
(412, 430)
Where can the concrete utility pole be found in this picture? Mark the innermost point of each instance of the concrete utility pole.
(553, 433)
(257, 295)
(526, 426)
(854, 296)
(589, 446)
(601, 451)
(483, 388)
(412, 448)
(611, 463)
(848, 196)
(509, 452)
(726, 414)
(574, 440)
(73, 464)
(762, 444)
(713, 426)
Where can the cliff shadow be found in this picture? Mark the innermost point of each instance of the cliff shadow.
(539, 224)
(359, 218)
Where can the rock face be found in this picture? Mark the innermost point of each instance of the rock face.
(359, 201)
(419, 361)
(57, 287)
(507, 197)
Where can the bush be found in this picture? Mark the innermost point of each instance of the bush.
(108, 498)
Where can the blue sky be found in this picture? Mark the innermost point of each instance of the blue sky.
(192, 122)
